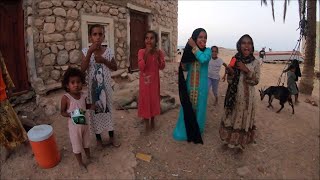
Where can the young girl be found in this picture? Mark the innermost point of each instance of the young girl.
(291, 83)
(151, 60)
(99, 60)
(12, 133)
(73, 104)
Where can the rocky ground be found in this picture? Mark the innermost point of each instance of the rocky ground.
(287, 145)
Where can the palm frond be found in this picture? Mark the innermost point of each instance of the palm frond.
(286, 3)
(272, 7)
(264, 2)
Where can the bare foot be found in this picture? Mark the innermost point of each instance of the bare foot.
(152, 124)
(100, 146)
(114, 143)
(83, 168)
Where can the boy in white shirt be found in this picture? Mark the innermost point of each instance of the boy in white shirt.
(213, 72)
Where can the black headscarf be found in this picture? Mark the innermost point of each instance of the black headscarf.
(188, 56)
(230, 99)
(190, 119)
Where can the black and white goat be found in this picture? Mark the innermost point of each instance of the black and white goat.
(279, 92)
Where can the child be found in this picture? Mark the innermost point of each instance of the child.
(12, 133)
(73, 102)
(213, 72)
(291, 83)
(99, 60)
(151, 60)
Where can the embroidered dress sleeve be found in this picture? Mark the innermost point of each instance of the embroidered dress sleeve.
(162, 63)
(141, 61)
(253, 77)
(203, 57)
(5, 74)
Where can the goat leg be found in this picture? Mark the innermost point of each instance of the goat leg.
(281, 107)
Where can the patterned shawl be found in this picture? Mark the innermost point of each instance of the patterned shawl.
(230, 99)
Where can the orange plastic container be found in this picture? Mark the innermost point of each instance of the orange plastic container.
(44, 146)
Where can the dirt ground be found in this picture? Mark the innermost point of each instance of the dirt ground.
(287, 145)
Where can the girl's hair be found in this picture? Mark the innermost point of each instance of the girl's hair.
(72, 72)
(95, 26)
(215, 47)
(154, 34)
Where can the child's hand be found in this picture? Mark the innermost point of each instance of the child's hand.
(224, 79)
(93, 107)
(100, 59)
(93, 47)
(192, 43)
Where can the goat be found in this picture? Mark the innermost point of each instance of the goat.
(279, 92)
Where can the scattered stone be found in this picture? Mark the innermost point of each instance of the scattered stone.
(38, 86)
(124, 75)
(22, 98)
(243, 171)
(125, 97)
(118, 72)
(131, 77)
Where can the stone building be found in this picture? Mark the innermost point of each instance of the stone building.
(41, 39)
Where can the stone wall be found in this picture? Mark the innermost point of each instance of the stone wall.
(55, 27)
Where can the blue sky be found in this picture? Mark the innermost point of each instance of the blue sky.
(226, 21)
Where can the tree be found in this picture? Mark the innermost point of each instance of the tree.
(309, 6)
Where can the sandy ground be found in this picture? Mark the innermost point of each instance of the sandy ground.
(287, 145)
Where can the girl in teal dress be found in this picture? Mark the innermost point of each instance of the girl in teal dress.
(193, 92)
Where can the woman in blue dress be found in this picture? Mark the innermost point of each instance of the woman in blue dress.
(193, 92)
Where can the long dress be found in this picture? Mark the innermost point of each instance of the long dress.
(291, 83)
(149, 83)
(11, 129)
(100, 93)
(197, 86)
(238, 127)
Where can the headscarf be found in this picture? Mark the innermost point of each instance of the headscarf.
(230, 99)
(190, 119)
